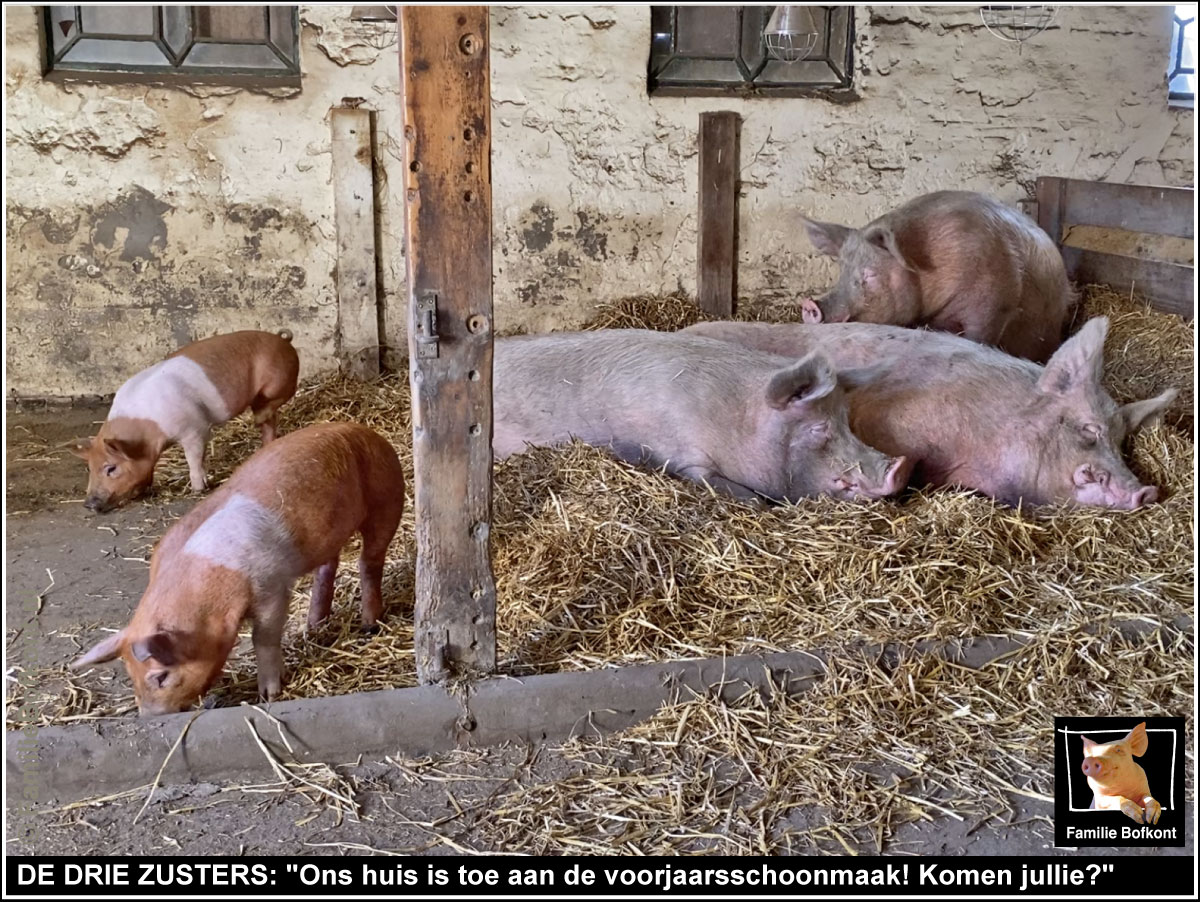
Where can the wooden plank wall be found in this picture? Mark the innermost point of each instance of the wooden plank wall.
(1155, 210)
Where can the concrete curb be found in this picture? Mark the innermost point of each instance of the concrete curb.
(61, 763)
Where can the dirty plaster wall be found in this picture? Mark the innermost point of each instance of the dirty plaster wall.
(140, 217)
(943, 105)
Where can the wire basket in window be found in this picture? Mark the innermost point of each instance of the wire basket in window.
(1017, 22)
(791, 34)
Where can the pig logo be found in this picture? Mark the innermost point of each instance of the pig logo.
(1118, 782)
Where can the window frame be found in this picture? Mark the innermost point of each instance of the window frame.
(171, 74)
(1175, 61)
(840, 90)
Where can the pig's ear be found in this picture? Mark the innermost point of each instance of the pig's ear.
(884, 238)
(1088, 745)
(121, 448)
(160, 646)
(827, 237)
(861, 376)
(1079, 362)
(804, 381)
(1138, 740)
(162, 678)
(1143, 413)
(102, 651)
(80, 447)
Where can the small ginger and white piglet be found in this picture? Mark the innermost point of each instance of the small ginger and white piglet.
(179, 400)
(1118, 782)
(286, 511)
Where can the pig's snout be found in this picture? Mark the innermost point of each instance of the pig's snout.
(97, 505)
(893, 481)
(1096, 487)
(810, 312)
(1145, 495)
(1093, 767)
(896, 477)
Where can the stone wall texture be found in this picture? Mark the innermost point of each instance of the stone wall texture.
(140, 218)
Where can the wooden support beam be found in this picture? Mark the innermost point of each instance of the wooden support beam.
(716, 257)
(445, 76)
(354, 209)
(1050, 198)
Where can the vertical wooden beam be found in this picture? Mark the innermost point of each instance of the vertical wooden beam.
(716, 258)
(445, 75)
(1051, 203)
(354, 208)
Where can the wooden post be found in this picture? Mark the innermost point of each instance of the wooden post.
(1051, 198)
(445, 75)
(716, 258)
(354, 208)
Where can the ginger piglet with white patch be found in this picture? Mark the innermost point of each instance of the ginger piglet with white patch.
(178, 401)
(285, 512)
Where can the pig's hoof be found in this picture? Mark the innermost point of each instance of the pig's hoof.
(1153, 811)
(370, 629)
(1132, 810)
(269, 688)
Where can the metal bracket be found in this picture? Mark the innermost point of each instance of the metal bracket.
(427, 334)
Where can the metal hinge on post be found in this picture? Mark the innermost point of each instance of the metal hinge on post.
(427, 334)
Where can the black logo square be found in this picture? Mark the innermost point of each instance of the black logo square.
(1118, 781)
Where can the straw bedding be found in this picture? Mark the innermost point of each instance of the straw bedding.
(599, 564)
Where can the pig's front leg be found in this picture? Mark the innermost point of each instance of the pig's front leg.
(720, 483)
(1129, 807)
(1152, 808)
(269, 617)
(195, 447)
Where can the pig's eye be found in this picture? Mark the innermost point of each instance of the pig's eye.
(819, 431)
(1091, 433)
(110, 471)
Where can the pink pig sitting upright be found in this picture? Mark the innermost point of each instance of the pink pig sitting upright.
(179, 400)
(955, 261)
(286, 511)
(1117, 781)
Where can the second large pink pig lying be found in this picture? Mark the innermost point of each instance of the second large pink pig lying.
(975, 417)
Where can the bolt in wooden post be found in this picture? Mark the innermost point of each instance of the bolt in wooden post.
(445, 75)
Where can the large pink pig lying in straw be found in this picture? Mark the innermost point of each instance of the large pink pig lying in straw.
(748, 424)
(972, 416)
(955, 261)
